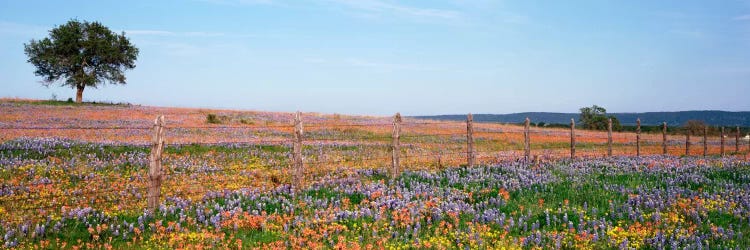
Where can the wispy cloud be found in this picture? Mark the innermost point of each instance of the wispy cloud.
(387, 66)
(742, 18)
(314, 60)
(239, 2)
(688, 33)
(177, 49)
(732, 70)
(514, 18)
(368, 64)
(11, 28)
(382, 8)
(172, 33)
(36, 30)
(672, 15)
(363, 8)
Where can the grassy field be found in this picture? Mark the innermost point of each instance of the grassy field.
(67, 183)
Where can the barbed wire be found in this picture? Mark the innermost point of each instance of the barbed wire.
(245, 143)
(230, 127)
(431, 135)
(208, 171)
(60, 207)
(435, 123)
(344, 125)
(194, 182)
(314, 138)
(84, 180)
(112, 191)
(84, 145)
(75, 128)
(365, 159)
(53, 196)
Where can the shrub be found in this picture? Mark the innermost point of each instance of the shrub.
(247, 121)
(213, 119)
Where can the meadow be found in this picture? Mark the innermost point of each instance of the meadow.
(75, 176)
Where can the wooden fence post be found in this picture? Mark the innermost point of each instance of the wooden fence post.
(470, 157)
(297, 177)
(572, 138)
(155, 172)
(687, 142)
(737, 141)
(526, 140)
(664, 138)
(722, 141)
(395, 147)
(705, 140)
(638, 137)
(609, 137)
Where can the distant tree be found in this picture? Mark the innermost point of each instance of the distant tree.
(694, 127)
(84, 54)
(595, 118)
(616, 126)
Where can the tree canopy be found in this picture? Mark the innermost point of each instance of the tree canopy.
(595, 118)
(82, 54)
(694, 127)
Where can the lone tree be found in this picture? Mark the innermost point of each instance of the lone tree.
(694, 127)
(84, 54)
(595, 118)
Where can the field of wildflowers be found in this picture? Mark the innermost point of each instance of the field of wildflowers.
(67, 183)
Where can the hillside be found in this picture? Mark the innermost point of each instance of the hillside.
(716, 118)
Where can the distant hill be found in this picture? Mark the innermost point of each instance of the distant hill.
(714, 118)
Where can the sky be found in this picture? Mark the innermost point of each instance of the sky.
(378, 57)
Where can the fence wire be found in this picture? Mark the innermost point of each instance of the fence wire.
(193, 181)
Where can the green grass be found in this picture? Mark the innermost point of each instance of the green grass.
(77, 149)
(379, 176)
(734, 175)
(567, 195)
(326, 193)
(633, 181)
(353, 133)
(555, 194)
(255, 238)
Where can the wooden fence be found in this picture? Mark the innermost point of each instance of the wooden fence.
(473, 131)
(395, 168)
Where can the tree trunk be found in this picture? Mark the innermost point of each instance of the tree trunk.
(79, 93)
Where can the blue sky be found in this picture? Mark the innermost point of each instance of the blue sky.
(416, 57)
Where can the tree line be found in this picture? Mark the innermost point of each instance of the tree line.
(596, 118)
